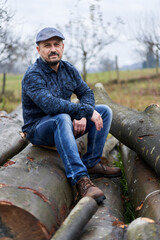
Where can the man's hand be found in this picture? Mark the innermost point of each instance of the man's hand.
(96, 118)
(79, 126)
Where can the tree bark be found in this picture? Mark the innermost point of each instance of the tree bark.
(140, 131)
(11, 138)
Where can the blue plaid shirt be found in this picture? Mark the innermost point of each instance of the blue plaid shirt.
(45, 92)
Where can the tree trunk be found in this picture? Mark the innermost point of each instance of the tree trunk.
(117, 69)
(11, 138)
(140, 131)
(35, 195)
(157, 63)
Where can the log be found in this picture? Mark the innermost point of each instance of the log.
(143, 185)
(17, 113)
(139, 131)
(30, 207)
(76, 220)
(143, 229)
(107, 222)
(109, 146)
(11, 139)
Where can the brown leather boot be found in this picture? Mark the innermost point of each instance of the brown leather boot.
(86, 188)
(102, 170)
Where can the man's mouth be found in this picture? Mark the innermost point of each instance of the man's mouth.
(53, 54)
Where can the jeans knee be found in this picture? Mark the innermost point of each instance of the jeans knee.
(64, 119)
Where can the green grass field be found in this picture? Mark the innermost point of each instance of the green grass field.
(136, 95)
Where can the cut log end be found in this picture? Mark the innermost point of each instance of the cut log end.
(17, 224)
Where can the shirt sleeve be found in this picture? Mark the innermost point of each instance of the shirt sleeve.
(36, 89)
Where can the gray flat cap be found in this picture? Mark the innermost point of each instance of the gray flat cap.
(47, 33)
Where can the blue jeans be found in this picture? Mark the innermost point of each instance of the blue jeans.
(58, 131)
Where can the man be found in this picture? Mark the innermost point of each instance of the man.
(51, 119)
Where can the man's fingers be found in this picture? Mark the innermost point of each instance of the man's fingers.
(79, 126)
(96, 118)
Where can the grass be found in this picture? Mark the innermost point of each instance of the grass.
(105, 77)
(138, 94)
(12, 96)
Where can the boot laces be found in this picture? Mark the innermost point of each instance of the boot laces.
(84, 184)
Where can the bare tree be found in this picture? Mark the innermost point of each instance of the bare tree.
(5, 18)
(106, 64)
(148, 35)
(88, 36)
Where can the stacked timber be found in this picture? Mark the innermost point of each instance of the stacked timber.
(36, 197)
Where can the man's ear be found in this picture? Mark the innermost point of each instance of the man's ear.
(38, 48)
(63, 46)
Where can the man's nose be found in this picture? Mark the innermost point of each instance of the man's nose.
(53, 49)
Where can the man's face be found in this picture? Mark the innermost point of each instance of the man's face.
(51, 50)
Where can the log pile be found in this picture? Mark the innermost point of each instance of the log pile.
(36, 197)
(140, 132)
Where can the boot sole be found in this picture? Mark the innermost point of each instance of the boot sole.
(97, 175)
(100, 199)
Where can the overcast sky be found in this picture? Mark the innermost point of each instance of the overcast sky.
(32, 15)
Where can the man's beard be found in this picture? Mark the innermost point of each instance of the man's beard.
(53, 63)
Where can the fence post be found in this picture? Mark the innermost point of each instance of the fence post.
(4, 83)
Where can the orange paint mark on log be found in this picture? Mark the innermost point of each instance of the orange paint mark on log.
(147, 135)
(9, 163)
(6, 203)
(3, 185)
(35, 192)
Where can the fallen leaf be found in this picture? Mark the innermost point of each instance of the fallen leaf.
(119, 224)
(139, 207)
(30, 159)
